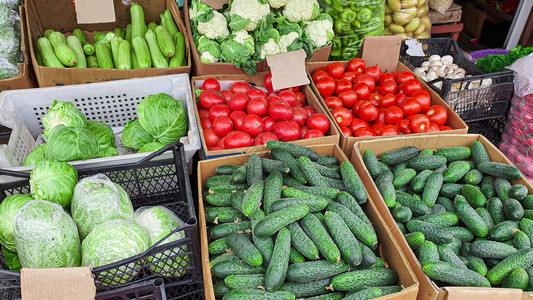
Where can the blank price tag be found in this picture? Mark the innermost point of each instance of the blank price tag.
(95, 11)
(382, 51)
(288, 69)
(57, 284)
(414, 48)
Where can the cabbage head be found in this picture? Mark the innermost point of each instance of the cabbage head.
(71, 143)
(36, 156)
(63, 113)
(53, 181)
(46, 236)
(107, 152)
(151, 147)
(103, 133)
(9, 209)
(134, 136)
(163, 117)
(158, 222)
(96, 200)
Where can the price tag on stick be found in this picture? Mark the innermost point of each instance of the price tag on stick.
(288, 69)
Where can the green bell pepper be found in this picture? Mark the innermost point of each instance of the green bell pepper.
(337, 43)
(335, 54)
(349, 52)
(348, 15)
(332, 12)
(341, 27)
(328, 2)
(356, 24)
(364, 15)
(350, 41)
(336, 4)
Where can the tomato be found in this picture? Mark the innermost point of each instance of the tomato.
(287, 131)
(319, 122)
(393, 115)
(326, 86)
(227, 94)
(445, 128)
(377, 128)
(294, 89)
(237, 139)
(221, 142)
(237, 116)
(437, 114)
(268, 123)
(280, 110)
(301, 98)
(289, 97)
(356, 65)
(335, 70)
(240, 87)
(311, 134)
(346, 131)
(257, 106)
(268, 82)
(342, 116)
(333, 102)
(368, 112)
(219, 110)
(356, 106)
(238, 102)
(423, 98)
(403, 126)
(433, 127)
(388, 87)
(375, 72)
(300, 115)
(203, 113)
(366, 79)
(348, 98)
(387, 101)
(272, 93)
(317, 75)
(405, 77)
(395, 75)
(364, 131)
(271, 99)
(216, 148)
(385, 77)
(357, 123)
(211, 84)
(419, 123)
(362, 90)
(400, 97)
(206, 123)
(222, 125)
(252, 125)
(348, 76)
(303, 131)
(410, 87)
(343, 85)
(374, 98)
(389, 130)
(210, 137)
(256, 93)
(310, 111)
(381, 116)
(410, 106)
(323, 68)
(264, 137)
(210, 98)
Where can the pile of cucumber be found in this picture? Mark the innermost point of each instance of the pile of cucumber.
(459, 212)
(292, 227)
(140, 46)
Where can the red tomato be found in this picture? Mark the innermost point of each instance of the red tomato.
(343, 85)
(349, 76)
(303, 131)
(317, 75)
(362, 90)
(381, 116)
(346, 131)
(210, 137)
(271, 99)
(326, 86)
(319, 122)
(300, 115)
(256, 93)
(311, 134)
(227, 94)
(211, 84)
(222, 125)
(410, 106)
(385, 77)
(357, 123)
(289, 97)
(342, 116)
(333, 102)
(366, 79)
(203, 113)
(405, 77)
(268, 82)
(423, 98)
(437, 114)
(323, 68)
(374, 98)
(377, 128)
(410, 87)
(387, 101)
(403, 126)
(356, 106)
(272, 93)
(287, 131)
(445, 128)
(216, 148)
(240, 87)
(400, 97)
(264, 137)
(368, 112)
(375, 72)
(348, 98)
(257, 106)
(310, 111)
(210, 98)
(238, 102)
(388, 130)
(237, 116)
(268, 123)
(419, 123)
(206, 123)
(393, 115)
(364, 131)
(433, 127)
(219, 110)
(294, 89)
(221, 142)
(395, 75)
(388, 87)
(301, 98)
(252, 125)
(356, 65)
(237, 139)
(280, 110)
(335, 70)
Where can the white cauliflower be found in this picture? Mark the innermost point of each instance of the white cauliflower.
(206, 57)
(242, 37)
(277, 3)
(286, 40)
(214, 28)
(301, 10)
(251, 10)
(269, 48)
(320, 32)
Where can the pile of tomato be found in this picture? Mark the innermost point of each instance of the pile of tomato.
(246, 116)
(367, 102)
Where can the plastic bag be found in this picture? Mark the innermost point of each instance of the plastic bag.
(7, 15)
(440, 6)
(407, 18)
(9, 41)
(13, 4)
(8, 68)
(523, 76)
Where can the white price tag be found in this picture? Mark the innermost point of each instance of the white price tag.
(414, 48)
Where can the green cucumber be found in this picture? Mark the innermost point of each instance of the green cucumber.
(265, 245)
(311, 173)
(219, 199)
(446, 219)
(328, 171)
(353, 183)
(418, 183)
(226, 169)
(415, 239)
(238, 282)
(479, 153)
(295, 150)
(402, 214)
(456, 170)
(504, 231)
(239, 175)
(454, 153)
(346, 242)
(236, 200)
(491, 249)
(438, 209)
(270, 165)
(474, 196)
(471, 219)
(369, 257)
(253, 198)
(502, 187)
(449, 273)
(431, 232)
(291, 182)
(518, 192)
(327, 160)
(329, 296)
(368, 293)
(487, 187)
(279, 219)
(218, 247)
(448, 255)
(521, 240)
(403, 177)
(227, 188)
(245, 249)
(528, 202)
(315, 270)
(218, 214)
(495, 208)
(277, 269)
(474, 177)
(315, 204)
(220, 289)
(418, 208)
(371, 163)
(500, 170)
(217, 179)
(302, 243)
(226, 268)
(517, 279)
(386, 188)
(318, 234)
(513, 209)
(367, 277)
(447, 203)
(307, 289)
(427, 253)
(360, 229)
(399, 156)
(273, 187)
(295, 170)
(385, 290)
(349, 201)
(252, 294)
(254, 171)
(223, 257)
(399, 167)
(485, 215)
(477, 265)
(223, 230)
(431, 162)
(432, 188)
(450, 190)
(295, 257)
(520, 259)
(328, 193)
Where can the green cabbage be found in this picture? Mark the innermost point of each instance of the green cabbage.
(151, 147)
(9, 40)
(62, 113)
(107, 152)
(96, 200)
(103, 133)
(134, 136)
(46, 236)
(9, 209)
(53, 181)
(36, 156)
(12, 259)
(71, 143)
(163, 117)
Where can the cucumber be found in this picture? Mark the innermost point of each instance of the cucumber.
(279, 219)
(528, 202)
(311, 173)
(62, 51)
(386, 188)
(270, 165)
(418, 183)
(219, 199)
(427, 253)
(456, 170)
(455, 246)
(245, 249)
(353, 183)
(418, 208)
(295, 150)
(219, 246)
(47, 52)
(315, 204)
(477, 265)
(220, 289)
(291, 182)
(473, 177)
(504, 231)
(223, 257)
(252, 294)
(223, 230)
(307, 289)
(485, 215)
(328, 171)
(254, 170)
(447, 203)
(327, 160)
(495, 208)
(236, 200)
(294, 167)
(238, 282)
(158, 59)
(431, 232)
(513, 209)
(399, 167)
(487, 187)
(165, 42)
(74, 43)
(520, 259)
(415, 239)
(402, 214)
(517, 279)
(518, 192)
(124, 56)
(441, 169)
(479, 153)
(227, 188)
(330, 296)
(104, 55)
(521, 240)
(318, 234)
(302, 243)
(328, 193)
(265, 245)
(530, 273)
(295, 257)
(502, 187)
(360, 229)
(403, 177)
(528, 213)
(239, 175)
(226, 169)
(138, 26)
(367, 277)
(526, 225)
(500, 170)
(438, 209)
(432, 188)
(474, 196)
(454, 153)
(253, 198)
(277, 269)
(431, 162)
(368, 293)
(371, 163)
(346, 242)
(315, 270)
(217, 179)
(446, 254)
(446, 219)
(471, 219)
(398, 156)
(385, 290)
(369, 258)
(450, 190)
(289, 192)
(449, 273)
(227, 268)
(491, 249)
(273, 187)
(179, 58)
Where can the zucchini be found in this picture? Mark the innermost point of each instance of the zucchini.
(74, 43)
(168, 21)
(47, 53)
(63, 52)
(158, 60)
(92, 62)
(104, 56)
(142, 52)
(165, 42)
(124, 56)
(138, 25)
(179, 58)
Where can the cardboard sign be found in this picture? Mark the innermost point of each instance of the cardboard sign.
(382, 51)
(95, 11)
(468, 293)
(57, 284)
(288, 69)
(216, 4)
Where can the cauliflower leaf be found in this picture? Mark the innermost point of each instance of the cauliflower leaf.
(252, 10)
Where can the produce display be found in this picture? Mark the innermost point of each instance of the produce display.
(408, 19)
(367, 102)
(140, 46)
(496, 63)
(296, 231)
(249, 30)
(246, 116)
(468, 224)
(10, 55)
(70, 136)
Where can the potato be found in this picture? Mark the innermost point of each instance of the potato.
(409, 3)
(422, 11)
(421, 2)
(395, 5)
(396, 28)
(413, 25)
(410, 34)
(426, 21)
(423, 35)
(387, 31)
(387, 9)
(420, 29)
(405, 16)
(388, 20)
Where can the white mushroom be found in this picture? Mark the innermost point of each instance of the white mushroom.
(425, 65)
(440, 72)
(449, 71)
(461, 70)
(438, 84)
(436, 63)
(419, 71)
(453, 66)
(434, 57)
(447, 59)
(424, 77)
(432, 75)
(486, 82)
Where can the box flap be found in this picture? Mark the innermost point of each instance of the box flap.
(288, 69)
(95, 11)
(382, 51)
(216, 4)
(469, 293)
(57, 284)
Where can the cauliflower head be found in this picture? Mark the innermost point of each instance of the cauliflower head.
(269, 48)
(209, 50)
(301, 10)
(242, 37)
(277, 3)
(207, 58)
(213, 25)
(250, 10)
(320, 32)
(286, 40)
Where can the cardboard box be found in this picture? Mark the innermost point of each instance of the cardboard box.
(331, 137)
(428, 289)
(389, 248)
(61, 16)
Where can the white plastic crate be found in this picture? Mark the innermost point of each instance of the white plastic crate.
(113, 103)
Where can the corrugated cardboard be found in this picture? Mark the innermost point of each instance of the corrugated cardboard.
(330, 137)
(390, 253)
(288, 69)
(428, 289)
(61, 16)
(382, 51)
(57, 284)
(85, 11)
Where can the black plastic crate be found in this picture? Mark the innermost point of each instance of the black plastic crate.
(149, 290)
(193, 290)
(470, 104)
(151, 181)
(492, 129)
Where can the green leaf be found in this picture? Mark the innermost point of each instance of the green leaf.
(302, 43)
(12, 260)
(206, 16)
(237, 22)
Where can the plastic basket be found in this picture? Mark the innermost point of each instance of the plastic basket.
(114, 103)
(193, 290)
(471, 104)
(154, 180)
(492, 129)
